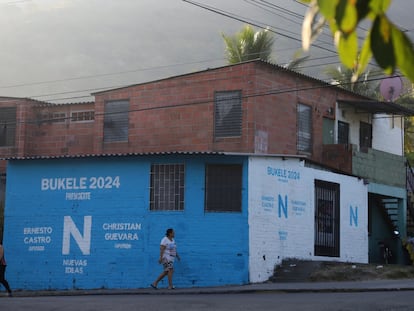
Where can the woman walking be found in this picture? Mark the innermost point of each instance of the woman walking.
(168, 253)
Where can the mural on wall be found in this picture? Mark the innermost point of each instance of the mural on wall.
(87, 224)
(70, 230)
(288, 216)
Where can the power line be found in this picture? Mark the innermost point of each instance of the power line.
(142, 69)
(244, 20)
(105, 74)
(130, 85)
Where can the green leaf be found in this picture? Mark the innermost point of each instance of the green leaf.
(348, 49)
(382, 45)
(363, 9)
(404, 52)
(328, 8)
(346, 16)
(379, 7)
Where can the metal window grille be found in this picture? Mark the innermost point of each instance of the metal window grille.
(116, 121)
(227, 114)
(304, 128)
(223, 188)
(167, 187)
(79, 116)
(326, 218)
(7, 126)
(57, 117)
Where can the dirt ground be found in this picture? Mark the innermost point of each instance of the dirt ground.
(328, 271)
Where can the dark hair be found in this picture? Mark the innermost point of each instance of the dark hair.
(169, 231)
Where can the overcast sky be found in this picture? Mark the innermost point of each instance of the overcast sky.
(66, 49)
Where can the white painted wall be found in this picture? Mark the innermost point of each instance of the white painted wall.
(387, 130)
(388, 134)
(273, 236)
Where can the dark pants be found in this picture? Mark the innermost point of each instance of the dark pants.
(3, 280)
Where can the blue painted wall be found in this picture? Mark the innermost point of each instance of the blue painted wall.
(47, 230)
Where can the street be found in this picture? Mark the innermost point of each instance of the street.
(382, 301)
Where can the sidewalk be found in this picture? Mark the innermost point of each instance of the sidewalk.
(288, 287)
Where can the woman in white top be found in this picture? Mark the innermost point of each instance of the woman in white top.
(168, 253)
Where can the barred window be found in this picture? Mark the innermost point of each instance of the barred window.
(80, 116)
(223, 188)
(7, 126)
(227, 114)
(327, 218)
(167, 187)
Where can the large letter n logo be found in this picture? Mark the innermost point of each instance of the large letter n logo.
(283, 206)
(70, 229)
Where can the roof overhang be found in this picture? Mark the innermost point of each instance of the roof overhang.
(141, 154)
(377, 107)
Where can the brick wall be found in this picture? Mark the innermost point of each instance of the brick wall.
(177, 114)
(52, 135)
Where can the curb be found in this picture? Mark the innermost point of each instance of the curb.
(248, 289)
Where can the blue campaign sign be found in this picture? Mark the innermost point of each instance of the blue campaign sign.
(86, 223)
(73, 220)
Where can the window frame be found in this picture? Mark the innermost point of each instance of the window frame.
(8, 126)
(304, 131)
(227, 114)
(365, 142)
(161, 199)
(90, 119)
(116, 117)
(327, 218)
(342, 128)
(232, 192)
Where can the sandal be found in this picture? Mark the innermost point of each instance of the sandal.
(153, 286)
(171, 287)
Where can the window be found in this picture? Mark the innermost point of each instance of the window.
(58, 117)
(343, 133)
(227, 114)
(80, 116)
(167, 187)
(7, 126)
(116, 121)
(365, 136)
(326, 218)
(223, 188)
(304, 128)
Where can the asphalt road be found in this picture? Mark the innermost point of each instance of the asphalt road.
(355, 301)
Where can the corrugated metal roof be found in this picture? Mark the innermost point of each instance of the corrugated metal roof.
(260, 61)
(47, 104)
(138, 154)
(378, 107)
(126, 154)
